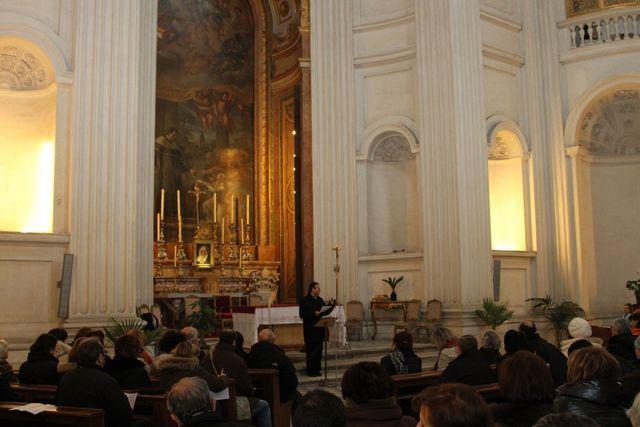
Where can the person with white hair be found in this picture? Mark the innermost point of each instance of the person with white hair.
(621, 343)
(6, 375)
(634, 412)
(190, 404)
(579, 329)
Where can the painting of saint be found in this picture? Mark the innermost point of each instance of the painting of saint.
(204, 104)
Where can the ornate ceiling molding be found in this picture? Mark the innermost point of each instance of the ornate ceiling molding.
(610, 126)
(20, 70)
(393, 148)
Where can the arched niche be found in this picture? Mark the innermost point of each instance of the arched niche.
(509, 195)
(392, 202)
(28, 105)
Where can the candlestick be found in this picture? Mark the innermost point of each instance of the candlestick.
(158, 227)
(242, 231)
(235, 208)
(222, 237)
(181, 254)
(247, 207)
(179, 229)
(162, 253)
(162, 204)
(175, 256)
(215, 207)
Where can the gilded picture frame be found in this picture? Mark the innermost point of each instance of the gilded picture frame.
(203, 254)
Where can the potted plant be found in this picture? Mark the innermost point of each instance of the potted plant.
(393, 282)
(634, 286)
(119, 327)
(494, 313)
(203, 319)
(559, 314)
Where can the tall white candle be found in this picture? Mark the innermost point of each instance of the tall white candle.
(222, 231)
(162, 204)
(247, 207)
(178, 199)
(175, 256)
(158, 227)
(242, 231)
(215, 207)
(233, 209)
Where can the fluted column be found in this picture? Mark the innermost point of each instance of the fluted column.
(112, 144)
(333, 124)
(556, 260)
(457, 251)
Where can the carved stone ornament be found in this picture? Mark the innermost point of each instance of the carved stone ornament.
(499, 149)
(393, 148)
(20, 70)
(610, 126)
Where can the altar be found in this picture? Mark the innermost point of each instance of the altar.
(286, 324)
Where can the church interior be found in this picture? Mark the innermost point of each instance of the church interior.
(419, 160)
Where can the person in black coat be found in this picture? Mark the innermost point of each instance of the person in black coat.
(621, 343)
(490, 347)
(547, 351)
(125, 366)
(41, 366)
(311, 311)
(592, 388)
(402, 359)
(6, 375)
(191, 405)
(266, 355)
(469, 367)
(87, 386)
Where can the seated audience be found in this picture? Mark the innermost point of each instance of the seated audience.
(469, 367)
(514, 341)
(266, 355)
(566, 419)
(239, 346)
(634, 412)
(223, 358)
(547, 351)
(577, 345)
(6, 375)
(527, 385)
(125, 366)
(627, 309)
(319, 408)
(369, 394)
(402, 359)
(490, 347)
(447, 347)
(634, 320)
(81, 333)
(142, 338)
(183, 362)
(191, 405)
(592, 389)
(87, 386)
(72, 358)
(631, 380)
(167, 342)
(192, 335)
(41, 365)
(62, 348)
(621, 343)
(452, 405)
(579, 329)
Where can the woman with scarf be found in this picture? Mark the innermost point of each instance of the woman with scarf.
(402, 359)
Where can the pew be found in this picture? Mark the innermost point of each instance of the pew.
(79, 417)
(152, 407)
(267, 385)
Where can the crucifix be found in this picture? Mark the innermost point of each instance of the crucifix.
(336, 267)
(196, 192)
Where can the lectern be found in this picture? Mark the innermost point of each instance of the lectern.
(326, 323)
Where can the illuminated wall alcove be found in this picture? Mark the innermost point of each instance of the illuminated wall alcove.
(509, 195)
(27, 138)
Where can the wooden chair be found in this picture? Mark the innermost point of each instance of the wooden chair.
(433, 319)
(267, 385)
(355, 318)
(602, 332)
(64, 416)
(412, 317)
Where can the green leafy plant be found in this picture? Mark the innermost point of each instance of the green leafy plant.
(634, 286)
(494, 313)
(393, 281)
(119, 327)
(558, 313)
(203, 318)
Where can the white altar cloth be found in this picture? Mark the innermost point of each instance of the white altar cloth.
(247, 323)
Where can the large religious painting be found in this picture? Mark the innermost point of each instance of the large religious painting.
(204, 107)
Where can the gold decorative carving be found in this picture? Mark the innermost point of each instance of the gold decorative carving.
(579, 7)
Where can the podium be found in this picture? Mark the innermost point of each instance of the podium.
(326, 323)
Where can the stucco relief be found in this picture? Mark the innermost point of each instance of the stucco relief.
(20, 70)
(499, 149)
(610, 125)
(393, 148)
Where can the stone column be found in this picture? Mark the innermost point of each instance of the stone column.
(333, 124)
(556, 259)
(112, 143)
(455, 203)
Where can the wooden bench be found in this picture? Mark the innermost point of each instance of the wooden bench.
(152, 407)
(66, 416)
(267, 385)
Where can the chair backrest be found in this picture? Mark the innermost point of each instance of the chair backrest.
(413, 310)
(157, 311)
(434, 310)
(355, 311)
